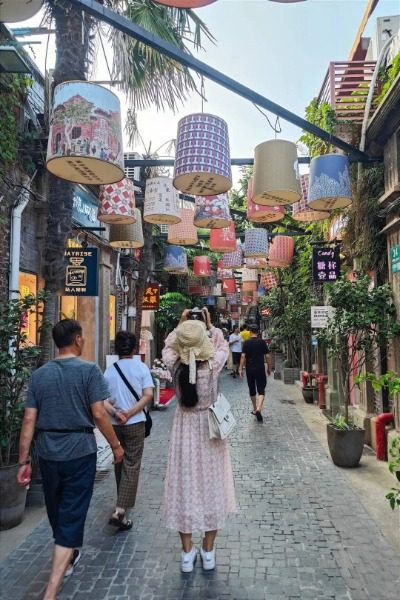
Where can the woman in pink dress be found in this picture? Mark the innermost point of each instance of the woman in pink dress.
(199, 489)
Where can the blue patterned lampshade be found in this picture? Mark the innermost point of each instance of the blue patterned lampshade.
(233, 260)
(330, 185)
(256, 243)
(175, 260)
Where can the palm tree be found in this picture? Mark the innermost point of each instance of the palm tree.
(149, 79)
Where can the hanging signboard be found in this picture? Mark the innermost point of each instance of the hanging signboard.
(81, 272)
(85, 208)
(320, 316)
(395, 258)
(151, 297)
(325, 264)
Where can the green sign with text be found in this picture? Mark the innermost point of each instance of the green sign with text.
(395, 258)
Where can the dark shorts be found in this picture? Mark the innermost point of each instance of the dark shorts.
(256, 380)
(236, 357)
(68, 488)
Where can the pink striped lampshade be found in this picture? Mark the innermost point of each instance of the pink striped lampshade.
(257, 213)
(281, 251)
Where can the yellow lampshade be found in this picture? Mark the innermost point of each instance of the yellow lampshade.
(276, 179)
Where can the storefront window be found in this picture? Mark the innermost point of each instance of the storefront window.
(112, 318)
(69, 307)
(28, 285)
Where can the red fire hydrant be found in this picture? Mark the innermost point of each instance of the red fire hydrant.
(321, 381)
(305, 378)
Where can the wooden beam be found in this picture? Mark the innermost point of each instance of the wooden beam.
(371, 5)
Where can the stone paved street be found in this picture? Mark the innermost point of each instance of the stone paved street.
(299, 533)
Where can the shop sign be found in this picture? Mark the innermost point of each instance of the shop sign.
(325, 264)
(151, 297)
(81, 272)
(395, 258)
(84, 208)
(320, 316)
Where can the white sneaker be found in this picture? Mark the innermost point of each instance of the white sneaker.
(76, 557)
(208, 559)
(188, 560)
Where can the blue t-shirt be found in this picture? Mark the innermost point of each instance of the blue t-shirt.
(62, 391)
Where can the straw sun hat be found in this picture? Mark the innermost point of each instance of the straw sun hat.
(192, 344)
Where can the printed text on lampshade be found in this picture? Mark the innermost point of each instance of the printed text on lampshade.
(276, 179)
(202, 160)
(212, 212)
(183, 233)
(85, 138)
(223, 240)
(127, 236)
(161, 202)
(329, 184)
(12, 11)
(301, 211)
(256, 243)
(202, 266)
(117, 202)
(281, 251)
(175, 260)
(185, 3)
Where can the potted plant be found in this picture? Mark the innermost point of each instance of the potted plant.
(363, 320)
(310, 393)
(18, 358)
(393, 495)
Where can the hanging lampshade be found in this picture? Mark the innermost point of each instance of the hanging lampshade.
(276, 177)
(281, 251)
(223, 273)
(117, 202)
(127, 236)
(249, 286)
(205, 290)
(202, 266)
(269, 280)
(183, 233)
(202, 161)
(161, 202)
(256, 242)
(212, 212)
(223, 240)
(194, 287)
(232, 299)
(210, 301)
(256, 263)
(302, 211)
(221, 303)
(260, 291)
(217, 289)
(233, 260)
(257, 213)
(85, 138)
(12, 11)
(249, 275)
(247, 298)
(329, 185)
(175, 260)
(186, 3)
(229, 286)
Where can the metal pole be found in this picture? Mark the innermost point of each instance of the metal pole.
(132, 30)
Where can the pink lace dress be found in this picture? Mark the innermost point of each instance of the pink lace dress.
(199, 489)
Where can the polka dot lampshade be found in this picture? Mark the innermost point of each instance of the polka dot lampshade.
(269, 280)
(276, 177)
(128, 236)
(256, 243)
(329, 185)
(281, 251)
(117, 202)
(202, 161)
(212, 212)
(301, 210)
(161, 202)
(257, 213)
(183, 233)
(233, 260)
(223, 240)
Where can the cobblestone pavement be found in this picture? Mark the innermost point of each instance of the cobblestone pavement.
(299, 532)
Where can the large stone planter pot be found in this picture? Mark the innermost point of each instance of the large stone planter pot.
(291, 375)
(345, 447)
(12, 498)
(310, 394)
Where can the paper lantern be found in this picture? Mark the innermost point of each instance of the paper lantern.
(85, 139)
(269, 280)
(233, 260)
(117, 202)
(188, 3)
(202, 266)
(194, 287)
(212, 212)
(175, 260)
(257, 213)
(301, 211)
(161, 202)
(223, 240)
(183, 233)
(256, 243)
(256, 263)
(276, 177)
(223, 273)
(329, 185)
(281, 251)
(217, 289)
(221, 303)
(232, 299)
(202, 161)
(229, 286)
(12, 11)
(249, 275)
(205, 290)
(249, 286)
(127, 236)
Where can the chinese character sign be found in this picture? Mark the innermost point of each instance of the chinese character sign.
(81, 272)
(151, 297)
(325, 265)
(395, 258)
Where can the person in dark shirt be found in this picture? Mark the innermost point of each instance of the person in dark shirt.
(255, 356)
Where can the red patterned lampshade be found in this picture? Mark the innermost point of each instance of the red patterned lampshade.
(183, 233)
(269, 280)
(257, 213)
(202, 161)
(301, 210)
(212, 212)
(223, 240)
(229, 286)
(202, 266)
(161, 202)
(281, 251)
(117, 203)
(194, 287)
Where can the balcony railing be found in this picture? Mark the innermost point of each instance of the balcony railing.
(345, 88)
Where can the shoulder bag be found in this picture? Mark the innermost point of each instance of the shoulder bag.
(149, 420)
(220, 418)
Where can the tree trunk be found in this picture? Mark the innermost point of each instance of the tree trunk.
(146, 257)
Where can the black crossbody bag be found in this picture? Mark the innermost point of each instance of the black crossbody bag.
(149, 421)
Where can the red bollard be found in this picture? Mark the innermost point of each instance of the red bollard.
(305, 378)
(321, 381)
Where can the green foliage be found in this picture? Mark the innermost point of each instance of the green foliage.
(172, 304)
(389, 381)
(388, 77)
(339, 422)
(238, 200)
(18, 358)
(322, 115)
(12, 96)
(393, 496)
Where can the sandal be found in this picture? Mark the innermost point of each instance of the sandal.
(119, 520)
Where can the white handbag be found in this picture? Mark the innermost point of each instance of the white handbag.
(220, 418)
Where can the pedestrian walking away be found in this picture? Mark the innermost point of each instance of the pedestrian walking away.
(256, 358)
(131, 389)
(65, 401)
(199, 489)
(235, 345)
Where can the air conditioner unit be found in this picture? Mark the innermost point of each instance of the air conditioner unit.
(386, 27)
(132, 172)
